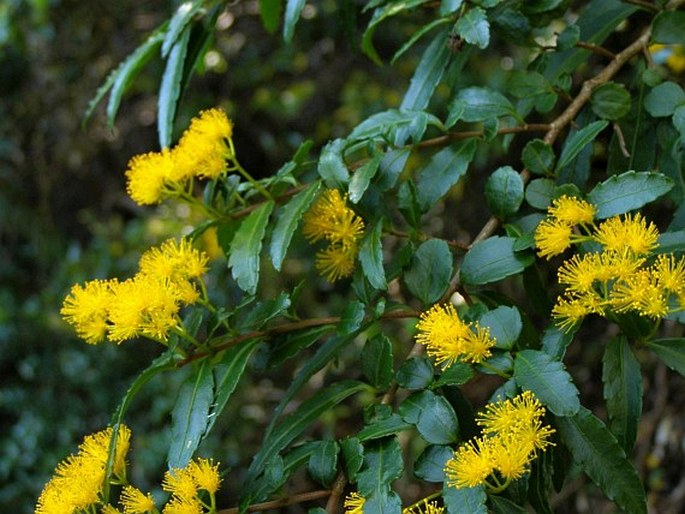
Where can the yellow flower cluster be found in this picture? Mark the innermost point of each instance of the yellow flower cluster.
(449, 339)
(354, 504)
(146, 305)
(203, 151)
(332, 220)
(512, 434)
(79, 479)
(185, 485)
(555, 233)
(618, 278)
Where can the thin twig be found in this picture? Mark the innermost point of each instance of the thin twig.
(621, 140)
(596, 49)
(275, 504)
(466, 134)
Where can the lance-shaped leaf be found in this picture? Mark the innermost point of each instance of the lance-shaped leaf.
(391, 425)
(293, 9)
(377, 361)
(184, 13)
(597, 451)
(493, 259)
(270, 14)
(576, 142)
(671, 351)
(170, 88)
(323, 463)
(331, 166)
(548, 379)
(371, 256)
(362, 178)
(628, 191)
(622, 390)
(291, 426)
(190, 416)
(287, 222)
(382, 465)
(246, 247)
(479, 104)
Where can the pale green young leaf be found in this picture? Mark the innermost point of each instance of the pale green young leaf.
(293, 9)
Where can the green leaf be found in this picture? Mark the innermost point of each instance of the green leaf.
(478, 104)
(122, 77)
(371, 256)
(540, 192)
(628, 191)
(377, 361)
(679, 120)
(457, 374)
(386, 124)
(227, 373)
(351, 318)
(293, 9)
(428, 74)
(270, 14)
(260, 313)
(362, 178)
(449, 6)
(246, 247)
(491, 260)
(415, 373)
(443, 171)
(190, 416)
(669, 28)
(293, 343)
(184, 13)
(389, 426)
(170, 88)
(465, 499)
(382, 465)
(433, 416)
(353, 455)
(383, 502)
(332, 167)
(504, 191)
(596, 450)
(323, 463)
(430, 271)
(663, 100)
(528, 84)
(568, 37)
(294, 424)
(548, 379)
(555, 341)
(538, 157)
(671, 351)
(474, 28)
(430, 466)
(505, 325)
(576, 142)
(610, 101)
(671, 242)
(287, 222)
(391, 168)
(502, 505)
(622, 390)
(416, 36)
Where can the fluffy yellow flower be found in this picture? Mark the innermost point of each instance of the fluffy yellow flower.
(354, 503)
(630, 233)
(151, 177)
(183, 506)
(471, 464)
(108, 509)
(448, 339)
(205, 473)
(670, 273)
(174, 260)
(135, 501)
(552, 237)
(335, 262)
(330, 218)
(204, 147)
(572, 211)
(85, 308)
(425, 508)
(180, 483)
(580, 272)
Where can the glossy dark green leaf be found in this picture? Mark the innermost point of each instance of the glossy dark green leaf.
(663, 100)
(671, 351)
(170, 88)
(671, 242)
(247, 246)
(473, 27)
(596, 450)
(443, 171)
(622, 390)
(628, 191)
(332, 168)
(449, 6)
(287, 222)
(323, 463)
(386, 124)
(610, 101)
(430, 271)
(433, 416)
(295, 423)
(465, 499)
(371, 256)
(538, 157)
(528, 84)
(353, 455)
(491, 260)
(351, 318)
(180, 19)
(568, 37)
(391, 425)
(505, 325)
(539, 193)
(555, 341)
(383, 502)
(478, 104)
(293, 9)
(261, 312)
(391, 168)
(382, 465)
(536, 371)
(190, 415)
(679, 120)
(501, 505)
(362, 178)
(430, 466)
(227, 373)
(415, 373)
(377, 363)
(669, 28)
(577, 141)
(270, 14)
(504, 191)
(293, 343)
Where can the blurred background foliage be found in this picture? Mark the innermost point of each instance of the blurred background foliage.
(65, 217)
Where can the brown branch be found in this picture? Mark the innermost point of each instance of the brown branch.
(337, 492)
(275, 504)
(455, 136)
(596, 49)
